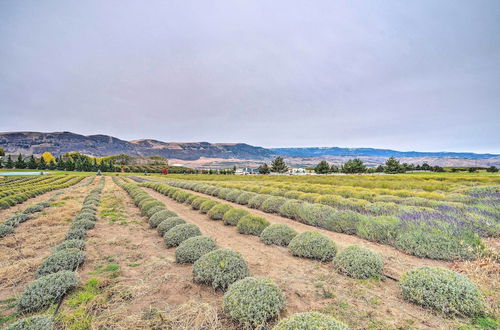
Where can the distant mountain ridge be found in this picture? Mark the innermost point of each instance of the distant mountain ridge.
(372, 152)
(58, 143)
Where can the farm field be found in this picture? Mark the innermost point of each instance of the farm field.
(230, 252)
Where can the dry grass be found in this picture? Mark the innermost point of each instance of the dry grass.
(22, 252)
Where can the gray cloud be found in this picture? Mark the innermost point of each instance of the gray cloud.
(420, 75)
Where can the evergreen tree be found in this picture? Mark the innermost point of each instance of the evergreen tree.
(354, 166)
(2, 152)
(1, 162)
(60, 164)
(264, 169)
(334, 169)
(425, 167)
(379, 169)
(52, 165)
(322, 167)
(42, 165)
(9, 163)
(31, 163)
(393, 166)
(278, 165)
(20, 162)
(492, 169)
(69, 165)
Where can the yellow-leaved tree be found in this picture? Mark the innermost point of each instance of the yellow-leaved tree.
(47, 157)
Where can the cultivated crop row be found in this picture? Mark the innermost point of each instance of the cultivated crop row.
(55, 277)
(471, 212)
(423, 285)
(435, 238)
(30, 189)
(410, 182)
(250, 301)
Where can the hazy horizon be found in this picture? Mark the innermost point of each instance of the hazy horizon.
(407, 76)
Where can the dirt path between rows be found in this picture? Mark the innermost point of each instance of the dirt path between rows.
(397, 262)
(311, 285)
(145, 275)
(23, 251)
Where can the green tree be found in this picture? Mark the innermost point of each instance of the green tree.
(2, 152)
(437, 169)
(425, 167)
(379, 169)
(9, 163)
(42, 165)
(322, 167)
(264, 169)
(60, 164)
(20, 162)
(472, 169)
(354, 166)
(492, 169)
(393, 166)
(31, 163)
(52, 165)
(278, 165)
(334, 169)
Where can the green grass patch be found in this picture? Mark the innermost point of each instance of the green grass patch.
(75, 314)
(111, 270)
(112, 209)
(133, 265)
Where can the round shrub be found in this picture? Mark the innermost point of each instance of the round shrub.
(70, 244)
(442, 290)
(46, 291)
(253, 300)
(168, 224)
(68, 259)
(15, 220)
(196, 203)
(158, 217)
(358, 262)
(85, 224)
(180, 233)
(272, 204)
(217, 212)
(76, 233)
(252, 225)
(86, 216)
(435, 245)
(234, 215)
(5, 230)
(150, 205)
(220, 268)
(278, 234)
(256, 201)
(191, 198)
(244, 197)
(150, 212)
(180, 196)
(233, 195)
(313, 245)
(310, 321)
(37, 322)
(291, 209)
(378, 229)
(34, 208)
(193, 248)
(207, 205)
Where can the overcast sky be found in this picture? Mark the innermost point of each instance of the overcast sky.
(407, 75)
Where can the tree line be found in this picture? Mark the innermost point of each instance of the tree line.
(356, 165)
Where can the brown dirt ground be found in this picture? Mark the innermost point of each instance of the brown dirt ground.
(311, 285)
(23, 251)
(148, 279)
